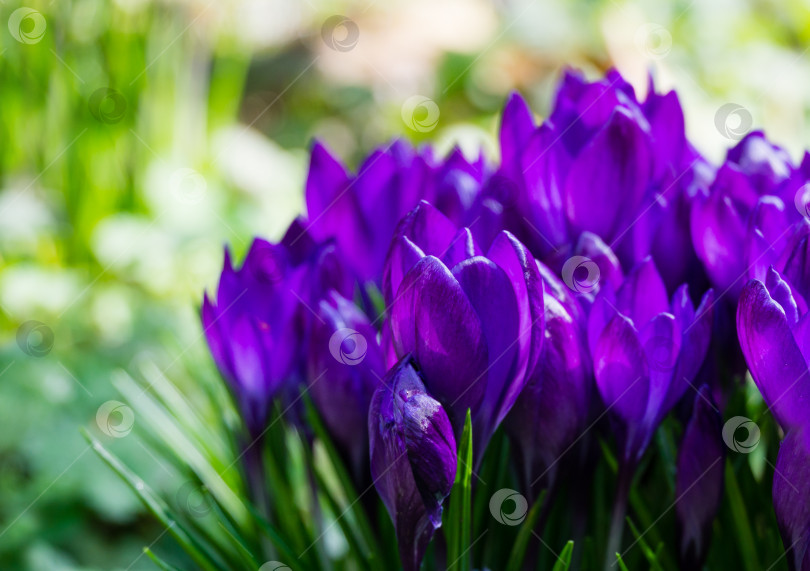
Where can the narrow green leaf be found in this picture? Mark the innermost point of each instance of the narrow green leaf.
(522, 541)
(651, 556)
(622, 566)
(564, 560)
(158, 561)
(745, 536)
(155, 505)
(351, 497)
(459, 528)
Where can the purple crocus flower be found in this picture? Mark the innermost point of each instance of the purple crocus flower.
(773, 323)
(598, 144)
(473, 323)
(745, 207)
(773, 326)
(699, 481)
(255, 323)
(646, 352)
(345, 366)
(361, 211)
(413, 458)
(552, 409)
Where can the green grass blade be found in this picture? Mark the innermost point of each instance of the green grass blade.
(459, 524)
(158, 561)
(155, 506)
(564, 560)
(522, 541)
(742, 527)
(354, 507)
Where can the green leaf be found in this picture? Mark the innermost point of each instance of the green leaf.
(745, 537)
(622, 566)
(158, 561)
(564, 560)
(156, 506)
(351, 507)
(522, 541)
(459, 524)
(651, 556)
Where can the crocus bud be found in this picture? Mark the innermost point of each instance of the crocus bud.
(646, 351)
(250, 329)
(413, 458)
(774, 339)
(699, 483)
(473, 322)
(345, 366)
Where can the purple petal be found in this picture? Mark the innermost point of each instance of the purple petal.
(492, 295)
(791, 490)
(517, 126)
(622, 373)
(643, 294)
(413, 459)
(775, 360)
(616, 162)
(433, 319)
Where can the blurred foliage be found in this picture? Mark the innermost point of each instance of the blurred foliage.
(140, 136)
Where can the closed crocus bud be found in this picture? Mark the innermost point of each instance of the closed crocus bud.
(361, 211)
(551, 411)
(413, 458)
(472, 322)
(646, 351)
(791, 490)
(773, 325)
(345, 366)
(250, 329)
(699, 482)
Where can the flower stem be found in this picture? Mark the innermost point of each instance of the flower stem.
(625, 477)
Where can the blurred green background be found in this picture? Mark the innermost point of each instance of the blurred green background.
(139, 137)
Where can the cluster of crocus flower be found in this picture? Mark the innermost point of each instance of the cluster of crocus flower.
(592, 273)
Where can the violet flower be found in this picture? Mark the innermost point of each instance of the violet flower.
(598, 144)
(361, 211)
(773, 323)
(345, 366)
(646, 352)
(413, 458)
(473, 323)
(552, 409)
